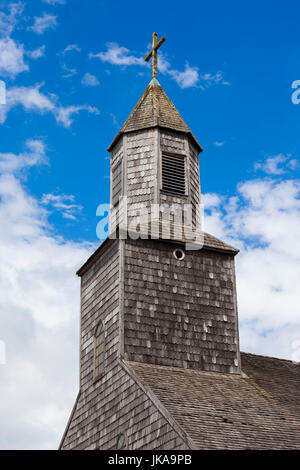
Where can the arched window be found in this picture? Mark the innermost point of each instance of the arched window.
(99, 349)
(122, 442)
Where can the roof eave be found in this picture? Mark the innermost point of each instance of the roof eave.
(120, 133)
(96, 255)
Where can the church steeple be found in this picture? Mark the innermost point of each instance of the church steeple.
(155, 109)
(154, 160)
(151, 301)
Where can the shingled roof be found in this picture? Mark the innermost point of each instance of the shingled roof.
(210, 243)
(213, 243)
(229, 411)
(153, 109)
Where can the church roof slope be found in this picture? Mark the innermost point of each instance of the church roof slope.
(228, 411)
(278, 377)
(154, 108)
(210, 242)
(216, 244)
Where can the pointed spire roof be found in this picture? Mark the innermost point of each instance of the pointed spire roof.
(153, 109)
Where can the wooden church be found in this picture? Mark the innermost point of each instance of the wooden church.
(160, 363)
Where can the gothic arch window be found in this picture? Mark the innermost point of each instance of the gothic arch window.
(122, 442)
(99, 349)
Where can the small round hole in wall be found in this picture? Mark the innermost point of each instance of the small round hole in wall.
(179, 254)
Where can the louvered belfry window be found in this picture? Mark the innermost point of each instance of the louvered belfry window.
(116, 183)
(173, 173)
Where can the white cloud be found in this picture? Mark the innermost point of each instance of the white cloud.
(64, 203)
(209, 79)
(90, 80)
(9, 21)
(34, 155)
(30, 98)
(69, 72)
(218, 143)
(37, 53)
(33, 100)
(118, 55)
(12, 52)
(69, 48)
(42, 23)
(114, 119)
(55, 2)
(277, 165)
(11, 58)
(39, 317)
(64, 115)
(211, 200)
(263, 220)
(189, 77)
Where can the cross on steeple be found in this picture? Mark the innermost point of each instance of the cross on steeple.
(153, 53)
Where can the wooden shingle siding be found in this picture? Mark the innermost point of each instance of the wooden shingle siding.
(180, 313)
(117, 404)
(228, 411)
(100, 302)
(116, 159)
(141, 177)
(117, 183)
(114, 403)
(117, 153)
(171, 371)
(194, 179)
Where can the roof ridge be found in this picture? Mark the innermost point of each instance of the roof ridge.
(271, 357)
(222, 244)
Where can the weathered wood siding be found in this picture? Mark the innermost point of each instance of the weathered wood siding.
(116, 157)
(99, 301)
(180, 313)
(114, 403)
(141, 170)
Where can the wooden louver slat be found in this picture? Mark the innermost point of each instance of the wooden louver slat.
(173, 174)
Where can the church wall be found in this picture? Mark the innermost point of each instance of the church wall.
(141, 169)
(180, 313)
(117, 153)
(116, 157)
(99, 301)
(114, 403)
(118, 405)
(194, 183)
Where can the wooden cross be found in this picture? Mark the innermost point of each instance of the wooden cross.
(153, 53)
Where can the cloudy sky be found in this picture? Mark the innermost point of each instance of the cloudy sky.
(73, 71)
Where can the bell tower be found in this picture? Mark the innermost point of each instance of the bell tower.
(146, 297)
(154, 159)
(154, 163)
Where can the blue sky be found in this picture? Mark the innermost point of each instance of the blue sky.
(254, 48)
(73, 72)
